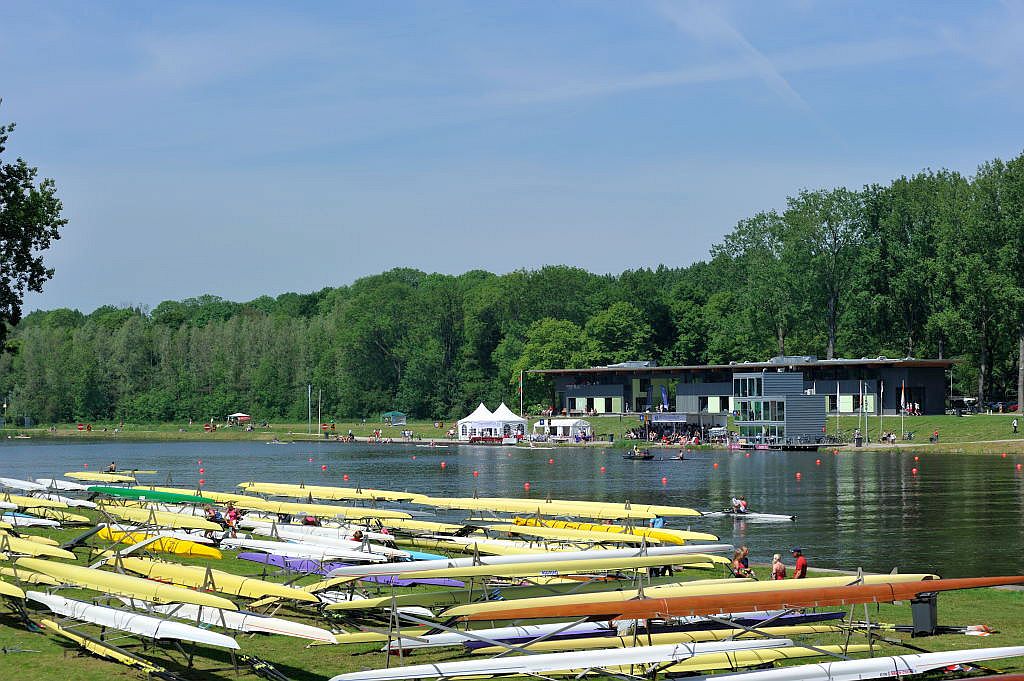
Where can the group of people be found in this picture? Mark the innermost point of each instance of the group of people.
(740, 566)
(688, 435)
(228, 520)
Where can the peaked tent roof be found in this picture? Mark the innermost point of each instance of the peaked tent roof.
(481, 413)
(504, 414)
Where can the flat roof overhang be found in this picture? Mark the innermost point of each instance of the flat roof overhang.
(759, 366)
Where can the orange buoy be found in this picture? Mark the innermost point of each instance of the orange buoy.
(311, 459)
(603, 469)
(86, 465)
(551, 460)
(664, 481)
(714, 465)
(526, 486)
(199, 461)
(1019, 466)
(476, 474)
(413, 457)
(817, 462)
(913, 471)
(747, 455)
(444, 465)
(1004, 455)
(344, 477)
(799, 475)
(202, 470)
(324, 467)
(917, 458)
(202, 481)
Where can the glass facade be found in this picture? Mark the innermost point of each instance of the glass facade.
(747, 387)
(757, 417)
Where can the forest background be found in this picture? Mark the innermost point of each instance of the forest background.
(927, 266)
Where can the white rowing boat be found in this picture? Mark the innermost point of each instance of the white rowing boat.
(133, 623)
(549, 662)
(344, 531)
(63, 485)
(21, 520)
(750, 515)
(304, 550)
(457, 638)
(240, 620)
(25, 485)
(52, 496)
(878, 667)
(552, 556)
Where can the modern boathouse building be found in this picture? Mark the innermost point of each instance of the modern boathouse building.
(785, 397)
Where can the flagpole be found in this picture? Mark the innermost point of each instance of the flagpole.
(837, 410)
(903, 407)
(521, 393)
(881, 406)
(860, 416)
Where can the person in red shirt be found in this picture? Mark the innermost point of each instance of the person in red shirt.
(800, 569)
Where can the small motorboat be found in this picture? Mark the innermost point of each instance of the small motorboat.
(639, 455)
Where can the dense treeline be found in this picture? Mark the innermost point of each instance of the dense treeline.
(930, 265)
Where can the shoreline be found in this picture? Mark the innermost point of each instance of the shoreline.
(134, 434)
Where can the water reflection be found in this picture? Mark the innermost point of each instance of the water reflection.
(960, 515)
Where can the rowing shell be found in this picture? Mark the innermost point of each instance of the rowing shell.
(247, 622)
(122, 585)
(543, 663)
(749, 515)
(561, 557)
(134, 623)
(880, 667)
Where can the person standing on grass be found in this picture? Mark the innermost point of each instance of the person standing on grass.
(1014, 424)
(778, 568)
(800, 569)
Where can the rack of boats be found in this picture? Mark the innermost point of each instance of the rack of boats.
(520, 587)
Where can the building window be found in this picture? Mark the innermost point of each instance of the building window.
(463, 428)
(607, 405)
(572, 404)
(702, 403)
(831, 403)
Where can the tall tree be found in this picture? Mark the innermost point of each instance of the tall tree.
(30, 219)
(827, 222)
(771, 262)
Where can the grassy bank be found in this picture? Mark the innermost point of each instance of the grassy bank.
(978, 433)
(1000, 609)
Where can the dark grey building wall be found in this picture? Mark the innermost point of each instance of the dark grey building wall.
(790, 383)
(594, 391)
(704, 389)
(805, 416)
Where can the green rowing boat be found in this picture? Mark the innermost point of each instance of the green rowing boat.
(143, 494)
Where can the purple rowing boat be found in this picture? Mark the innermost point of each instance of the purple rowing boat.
(316, 567)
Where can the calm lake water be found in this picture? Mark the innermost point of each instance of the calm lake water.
(959, 516)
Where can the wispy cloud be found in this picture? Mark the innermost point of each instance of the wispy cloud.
(821, 57)
(703, 22)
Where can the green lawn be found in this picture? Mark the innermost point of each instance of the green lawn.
(55, 659)
(967, 433)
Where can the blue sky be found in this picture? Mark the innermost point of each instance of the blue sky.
(249, 148)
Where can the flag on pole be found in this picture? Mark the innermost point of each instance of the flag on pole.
(903, 396)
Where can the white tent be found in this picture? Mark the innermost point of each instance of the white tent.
(512, 425)
(563, 429)
(481, 423)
